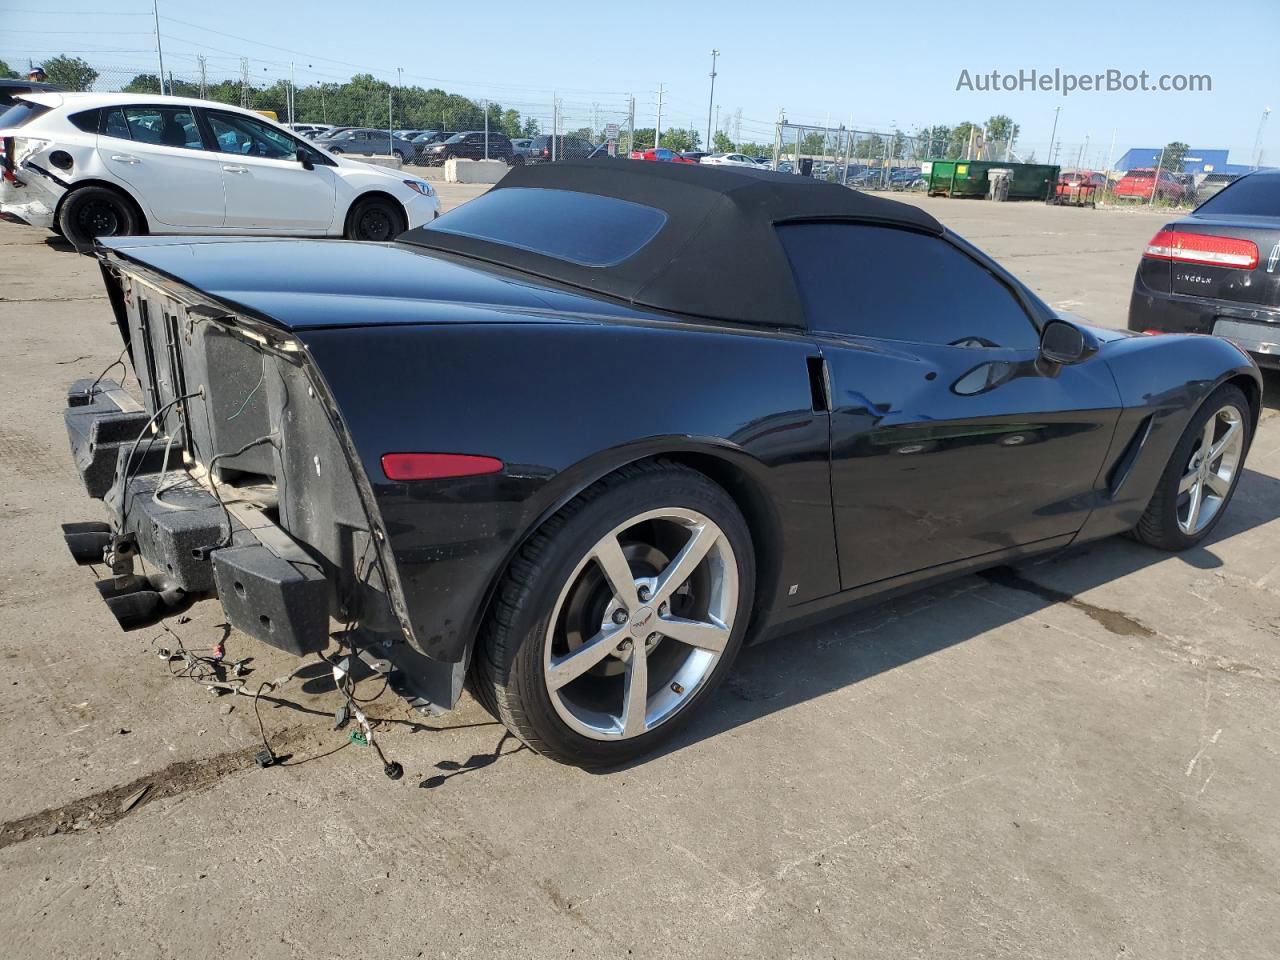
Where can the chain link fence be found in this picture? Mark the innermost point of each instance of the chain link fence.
(563, 125)
(538, 129)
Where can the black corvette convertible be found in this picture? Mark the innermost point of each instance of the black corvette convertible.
(576, 440)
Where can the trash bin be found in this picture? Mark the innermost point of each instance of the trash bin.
(806, 166)
(998, 183)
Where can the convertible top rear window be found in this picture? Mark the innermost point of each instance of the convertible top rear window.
(582, 228)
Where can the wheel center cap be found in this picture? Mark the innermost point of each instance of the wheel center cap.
(640, 621)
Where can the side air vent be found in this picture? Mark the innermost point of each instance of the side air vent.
(1120, 472)
(818, 384)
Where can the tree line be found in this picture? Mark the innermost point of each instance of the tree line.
(365, 101)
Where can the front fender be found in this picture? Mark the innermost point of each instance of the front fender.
(1162, 380)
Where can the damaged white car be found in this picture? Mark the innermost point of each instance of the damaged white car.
(89, 165)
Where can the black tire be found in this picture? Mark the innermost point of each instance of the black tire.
(402, 158)
(336, 151)
(376, 219)
(1159, 524)
(91, 212)
(508, 673)
(515, 160)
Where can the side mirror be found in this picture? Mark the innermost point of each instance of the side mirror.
(1064, 342)
(304, 158)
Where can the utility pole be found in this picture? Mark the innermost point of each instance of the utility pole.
(717, 127)
(555, 123)
(292, 86)
(155, 11)
(1112, 152)
(657, 129)
(391, 143)
(737, 129)
(486, 129)
(848, 145)
(244, 83)
(712, 99)
(1257, 141)
(1053, 136)
(400, 89)
(777, 136)
(631, 124)
(204, 80)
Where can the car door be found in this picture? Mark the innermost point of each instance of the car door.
(159, 152)
(951, 438)
(267, 188)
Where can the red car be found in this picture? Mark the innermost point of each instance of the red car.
(660, 155)
(1075, 179)
(1139, 184)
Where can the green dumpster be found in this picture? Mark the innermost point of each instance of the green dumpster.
(968, 178)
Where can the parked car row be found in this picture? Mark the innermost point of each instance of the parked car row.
(90, 165)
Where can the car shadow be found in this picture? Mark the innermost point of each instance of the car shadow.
(55, 242)
(808, 664)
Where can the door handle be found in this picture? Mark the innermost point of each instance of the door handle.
(234, 168)
(125, 158)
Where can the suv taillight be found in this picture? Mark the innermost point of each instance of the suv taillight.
(1203, 248)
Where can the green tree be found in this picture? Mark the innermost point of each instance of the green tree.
(142, 83)
(934, 140)
(959, 142)
(1175, 154)
(720, 143)
(677, 139)
(7, 72)
(1002, 129)
(72, 73)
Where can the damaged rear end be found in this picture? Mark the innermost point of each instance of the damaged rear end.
(233, 478)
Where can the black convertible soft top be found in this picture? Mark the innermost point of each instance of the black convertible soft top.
(717, 254)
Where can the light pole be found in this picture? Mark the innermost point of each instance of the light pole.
(1257, 141)
(1054, 136)
(155, 12)
(712, 99)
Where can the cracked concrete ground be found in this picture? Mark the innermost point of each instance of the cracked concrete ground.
(1078, 759)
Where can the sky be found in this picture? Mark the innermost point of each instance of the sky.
(876, 65)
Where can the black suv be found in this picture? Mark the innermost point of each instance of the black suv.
(567, 148)
(470, 145)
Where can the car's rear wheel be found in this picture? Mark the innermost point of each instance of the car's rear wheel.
(92, 212)
(376, 219)
(619, 616)
(1202, 474)
(400, 155)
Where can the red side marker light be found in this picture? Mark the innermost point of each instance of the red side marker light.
(436, 466)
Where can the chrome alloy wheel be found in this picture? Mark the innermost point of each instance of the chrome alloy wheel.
(641, 623)
(1205, 486)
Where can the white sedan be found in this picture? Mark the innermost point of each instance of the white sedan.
(88, 165)
(730, 160)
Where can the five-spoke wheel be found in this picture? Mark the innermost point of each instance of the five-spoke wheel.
(1202, 473)
(641, 623)
(619, 616)
(1211, 471)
